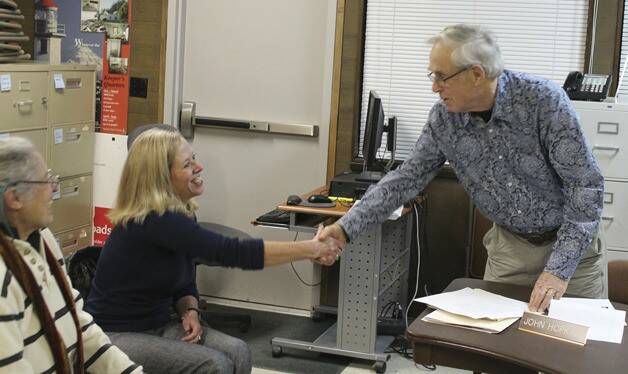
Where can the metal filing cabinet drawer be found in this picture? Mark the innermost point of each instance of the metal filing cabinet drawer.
(71, 149)
(606, 132)
(74, 103)
(72, 204)
(614, 255)
(614, 217)
(24, 106)
(75, 239)
(37, 137)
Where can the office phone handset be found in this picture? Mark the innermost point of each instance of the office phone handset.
(592, 87)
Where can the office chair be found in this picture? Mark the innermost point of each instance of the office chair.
(82, 267)
(242, 320)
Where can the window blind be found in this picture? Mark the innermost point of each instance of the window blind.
(546, 38)
(622, 90)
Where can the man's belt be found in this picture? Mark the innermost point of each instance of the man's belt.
(540, 238)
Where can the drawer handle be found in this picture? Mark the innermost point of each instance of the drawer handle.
(608, 218)
(73, 137)
(608, 128)
(20, 104)
(69, 243)
(69, 191)
(605, 148)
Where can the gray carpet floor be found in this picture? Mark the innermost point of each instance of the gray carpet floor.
(266, 325)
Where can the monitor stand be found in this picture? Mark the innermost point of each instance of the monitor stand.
(369, 176)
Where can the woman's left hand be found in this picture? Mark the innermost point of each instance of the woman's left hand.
(192, 326)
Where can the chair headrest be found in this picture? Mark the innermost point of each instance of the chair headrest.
(139, 130)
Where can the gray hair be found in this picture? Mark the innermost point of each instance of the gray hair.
(18, 162)
(472, 45)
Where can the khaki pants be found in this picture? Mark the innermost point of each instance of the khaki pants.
(512, 259)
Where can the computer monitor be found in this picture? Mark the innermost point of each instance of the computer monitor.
(372, 138)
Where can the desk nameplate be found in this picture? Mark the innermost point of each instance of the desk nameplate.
(554, 328)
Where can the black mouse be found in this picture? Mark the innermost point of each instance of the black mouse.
(317, 199)
(293, 200)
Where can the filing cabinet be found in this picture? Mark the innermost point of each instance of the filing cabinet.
(72, 104)
(65, 143)
(72, 203)
(54, 107)
(23, 98)
(72, 240)
(605, 126)
(37, 137)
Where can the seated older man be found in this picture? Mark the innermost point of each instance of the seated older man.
(43, 327)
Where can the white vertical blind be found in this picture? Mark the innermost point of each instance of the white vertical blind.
(622, 91)
(542, 37)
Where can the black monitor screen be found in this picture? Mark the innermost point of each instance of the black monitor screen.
(373, 130)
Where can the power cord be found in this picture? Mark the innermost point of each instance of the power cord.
(418, 265)
(297, 273)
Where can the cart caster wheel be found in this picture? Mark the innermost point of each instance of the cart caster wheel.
(380, 367)
(276, 351)
(317, 316)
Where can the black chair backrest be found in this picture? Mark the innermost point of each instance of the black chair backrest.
(82, 268)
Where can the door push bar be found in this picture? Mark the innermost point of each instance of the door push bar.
(188, 120)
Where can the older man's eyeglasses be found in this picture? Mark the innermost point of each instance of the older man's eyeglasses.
(51, 179)
(439, 78)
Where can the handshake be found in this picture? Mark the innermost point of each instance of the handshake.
(328, 244)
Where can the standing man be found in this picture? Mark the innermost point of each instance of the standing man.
(516, 146)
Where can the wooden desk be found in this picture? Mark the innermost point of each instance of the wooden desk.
(511, 351)
(373, 272)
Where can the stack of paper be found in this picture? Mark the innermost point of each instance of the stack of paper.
(475, 309)
(605, 323)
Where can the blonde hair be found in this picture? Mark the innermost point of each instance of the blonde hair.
(146, 185)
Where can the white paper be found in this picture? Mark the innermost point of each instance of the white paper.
(476, 303)
(59, 83)
(604, 324)
(483, 325)
(6, 135)
(5, 82)
(599, 303)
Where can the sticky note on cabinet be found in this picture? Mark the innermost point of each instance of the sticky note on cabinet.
(59, 83)
(5, 82)
(58, 133)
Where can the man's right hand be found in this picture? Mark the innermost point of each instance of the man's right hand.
(336, 232)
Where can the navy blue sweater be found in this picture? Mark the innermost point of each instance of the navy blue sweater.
(144, 269)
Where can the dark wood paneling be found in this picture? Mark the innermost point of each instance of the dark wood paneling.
(350, 82)
(147, 37)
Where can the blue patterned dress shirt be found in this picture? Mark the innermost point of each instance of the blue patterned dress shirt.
(528, 169)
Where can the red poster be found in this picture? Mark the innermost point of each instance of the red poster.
(115, 84)
(102, 226)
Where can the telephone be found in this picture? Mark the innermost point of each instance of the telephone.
(592, 87)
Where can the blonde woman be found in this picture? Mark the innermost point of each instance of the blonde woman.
(146, 265)
(43, 327)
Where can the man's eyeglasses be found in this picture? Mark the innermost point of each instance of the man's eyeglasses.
(53, 180)
(438, 78)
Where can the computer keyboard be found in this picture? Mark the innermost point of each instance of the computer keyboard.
(275, 216)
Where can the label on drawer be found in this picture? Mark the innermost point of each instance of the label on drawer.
(4, 136)
(59, 83)
(58, 133)
(5, 82)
